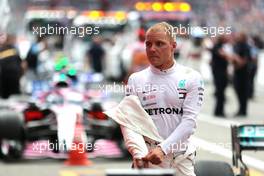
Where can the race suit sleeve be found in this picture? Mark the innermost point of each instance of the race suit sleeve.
(137, 149)
(191, 107)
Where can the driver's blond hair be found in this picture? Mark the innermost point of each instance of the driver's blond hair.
(164, 27)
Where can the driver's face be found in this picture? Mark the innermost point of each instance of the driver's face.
(159, 48)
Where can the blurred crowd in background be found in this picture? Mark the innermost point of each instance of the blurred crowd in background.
(240, 14)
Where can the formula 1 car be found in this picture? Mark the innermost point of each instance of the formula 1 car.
(22, 122)
(247, 137)
(52, 116)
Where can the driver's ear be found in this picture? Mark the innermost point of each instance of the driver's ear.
(174, 45)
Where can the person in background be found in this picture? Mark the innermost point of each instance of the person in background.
(195, 50)
(139, 60)
(219, 66)
(32, 58)
(96, 55)
(10, 68)
(241, 62)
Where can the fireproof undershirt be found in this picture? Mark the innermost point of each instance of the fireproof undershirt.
(173, 99)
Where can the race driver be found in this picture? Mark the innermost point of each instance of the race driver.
(172, 95)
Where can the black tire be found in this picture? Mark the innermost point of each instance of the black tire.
(11, 125)
(213, 168)
(14, 151)
(12, 129)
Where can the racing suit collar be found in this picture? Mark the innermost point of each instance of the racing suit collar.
(163, 72)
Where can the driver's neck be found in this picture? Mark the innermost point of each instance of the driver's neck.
(166, 65)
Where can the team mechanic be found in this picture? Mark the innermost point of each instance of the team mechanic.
(172, 95)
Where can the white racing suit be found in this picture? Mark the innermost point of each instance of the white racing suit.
(163, 112)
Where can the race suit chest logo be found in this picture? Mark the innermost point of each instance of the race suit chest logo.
(149, 97)
(159, 111)
(200, 93)
(182, 89)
